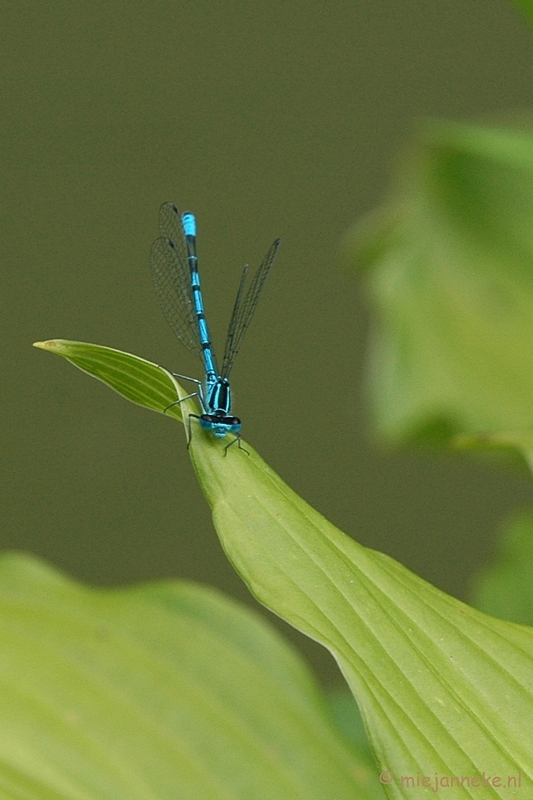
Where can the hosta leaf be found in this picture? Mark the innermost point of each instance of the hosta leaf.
(166, 690)
(450, 274)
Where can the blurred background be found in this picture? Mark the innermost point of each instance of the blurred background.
(266, 119)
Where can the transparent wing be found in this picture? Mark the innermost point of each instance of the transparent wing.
(172, 280)
(245, 305)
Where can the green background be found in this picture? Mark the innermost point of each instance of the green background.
(267, 119)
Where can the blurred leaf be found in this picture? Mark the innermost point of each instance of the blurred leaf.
(158, 691)
(526, 6)
(450, 273)
(348, 719)
(505, 587)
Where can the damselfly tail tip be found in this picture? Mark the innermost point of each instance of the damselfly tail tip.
(189, 223)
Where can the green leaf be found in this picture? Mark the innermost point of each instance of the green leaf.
(444, 689)
(449, 264)
(526, 6)
(158, 691)
(505, 587)
(134, 378)
(348, 719)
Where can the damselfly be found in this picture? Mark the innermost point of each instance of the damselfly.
(177, 285)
